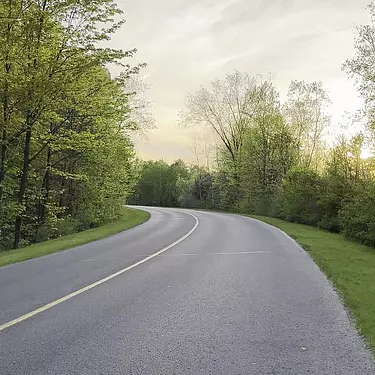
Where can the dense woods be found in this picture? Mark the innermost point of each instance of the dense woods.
(66, 159)
(276, 158)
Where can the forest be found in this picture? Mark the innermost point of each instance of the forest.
(68, 163)
(276, 158)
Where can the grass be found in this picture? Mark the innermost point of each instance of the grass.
(131, 218)
(349, 265)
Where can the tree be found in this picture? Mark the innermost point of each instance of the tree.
(268, 153)
(357, 215)
(227, 108)
(300, 194)
(361, 67)
(158, 184)
(306, 114)
(139, 114)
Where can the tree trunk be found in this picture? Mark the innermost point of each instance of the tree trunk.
(23, 185)
(200, 189)
(46, 190)
(3, 155)
(29, 122)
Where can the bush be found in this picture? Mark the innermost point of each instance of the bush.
(299, 196)
(333, 194)
(358, 215)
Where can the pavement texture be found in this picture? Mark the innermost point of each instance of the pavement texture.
(235, 297)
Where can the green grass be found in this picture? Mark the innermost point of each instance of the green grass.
(131, 218)
(349, 265)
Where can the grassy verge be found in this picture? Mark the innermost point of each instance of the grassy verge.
(131, 218)
(349, 265)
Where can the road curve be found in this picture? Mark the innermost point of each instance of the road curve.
(236, 296)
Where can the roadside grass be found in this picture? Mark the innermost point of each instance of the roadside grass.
(131, 218)
(349, 265)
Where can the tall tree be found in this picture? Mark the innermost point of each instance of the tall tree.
(226, 108)
(361, 67)
(306, 112)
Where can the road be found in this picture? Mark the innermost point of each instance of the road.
(231, 296)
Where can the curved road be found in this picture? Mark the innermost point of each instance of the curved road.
(232, 296)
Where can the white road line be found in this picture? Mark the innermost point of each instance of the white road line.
(99, 282)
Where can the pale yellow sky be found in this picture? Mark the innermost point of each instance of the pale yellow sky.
(187, 43)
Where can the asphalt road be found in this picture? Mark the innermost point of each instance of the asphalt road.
(236, 296)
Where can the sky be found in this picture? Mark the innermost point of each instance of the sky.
(188, 43)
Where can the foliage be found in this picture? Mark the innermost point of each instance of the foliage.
(273, 164)
(65, 122)
(300, 194)
(361, 67)
(306, 112)
(158, 184)
(358, 214)
(268, 152)
(226, 108)
(272, 160)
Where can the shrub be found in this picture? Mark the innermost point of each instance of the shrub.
(357, 216)
(299, 196)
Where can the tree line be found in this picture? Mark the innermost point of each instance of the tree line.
(273, 157)
(67, 162)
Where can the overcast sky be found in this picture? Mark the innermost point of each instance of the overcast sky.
(190, 42)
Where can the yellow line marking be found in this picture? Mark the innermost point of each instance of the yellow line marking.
(99, 282)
